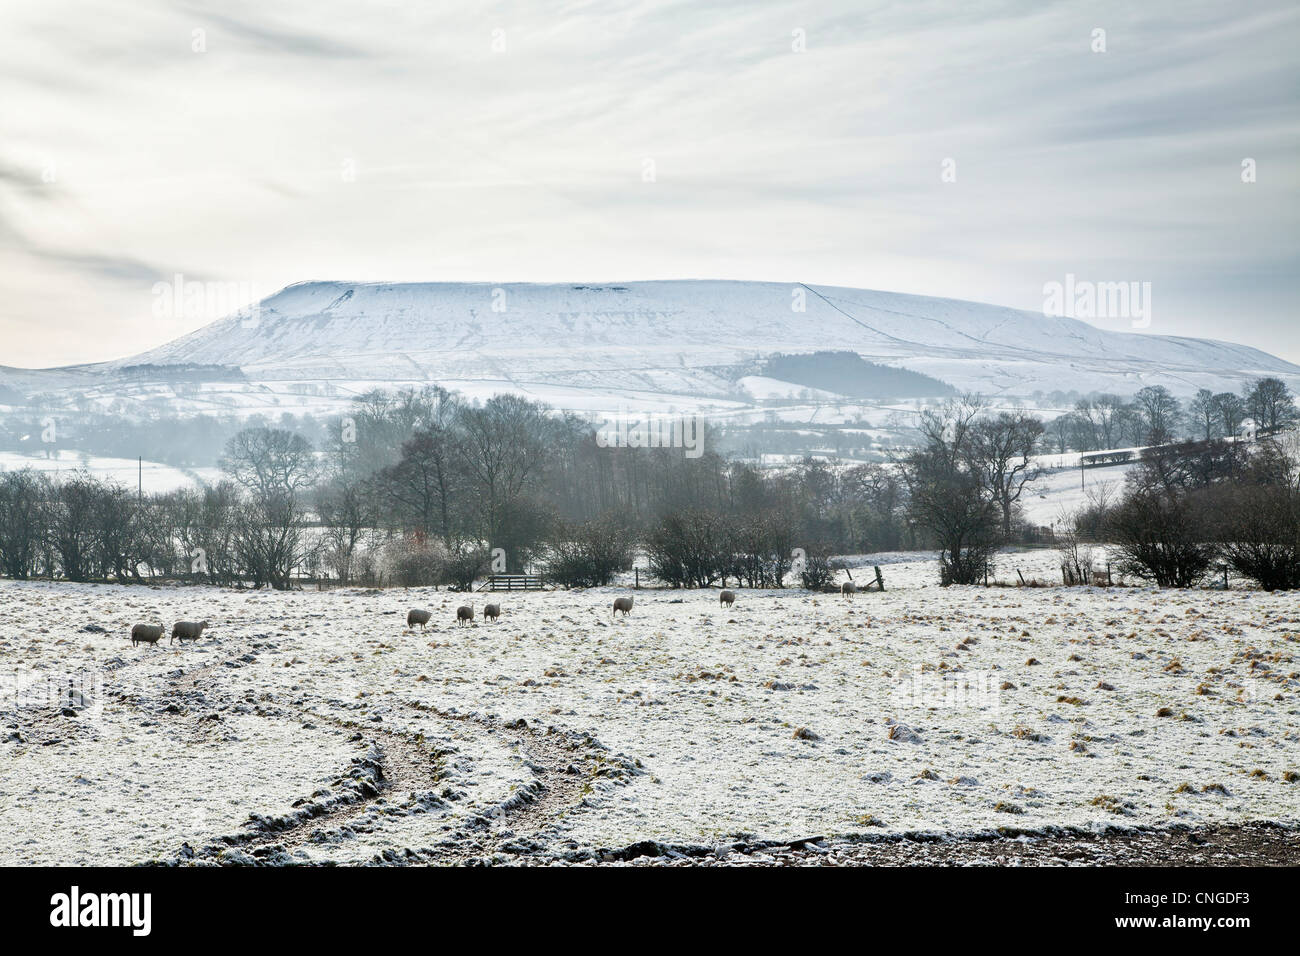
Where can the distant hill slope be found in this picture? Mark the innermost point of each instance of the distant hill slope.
(849, 374)
(684, 336)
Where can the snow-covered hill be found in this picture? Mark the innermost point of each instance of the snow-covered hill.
(684, 338)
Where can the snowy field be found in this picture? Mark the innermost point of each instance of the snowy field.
(1054, 496)
(312, 726)
(152, 476)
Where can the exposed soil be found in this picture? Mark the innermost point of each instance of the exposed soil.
(1251, 844)
(561, 770)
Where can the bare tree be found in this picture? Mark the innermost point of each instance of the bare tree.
(1062, 431)
(761, 548)
(274, 466)
(369, 436)
(948, 495)
(1231, 410)
(1108, 415)
(1159, 412)
(1084, 420)
(426, 483)
(347, 513)
(119, 540)
(73, 526)
(24, 519)
(270, 540)
(1270, 402)
(1204, 414)
(1002, 447)
(269, 462)
(504, 447)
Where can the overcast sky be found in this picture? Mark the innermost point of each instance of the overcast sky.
(514, 142)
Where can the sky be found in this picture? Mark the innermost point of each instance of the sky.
(974, 149)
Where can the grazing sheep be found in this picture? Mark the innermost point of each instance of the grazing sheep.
(623, 604)
(491, 612)
(464, 613)
(727, 597)
(848, 589)
(147, 633)
(417, 615)
(187, 631)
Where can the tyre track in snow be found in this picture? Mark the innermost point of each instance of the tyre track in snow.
(394, 761)
(562, 765)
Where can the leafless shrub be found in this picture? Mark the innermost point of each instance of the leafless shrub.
(1162, 536)
(590, 554)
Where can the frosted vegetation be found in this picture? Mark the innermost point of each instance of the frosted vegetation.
(426, 488)
(791, 714)
(977, 693)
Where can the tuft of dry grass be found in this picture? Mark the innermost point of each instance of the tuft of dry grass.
(1112, 804)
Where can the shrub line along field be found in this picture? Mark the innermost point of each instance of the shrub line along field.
(315, 727)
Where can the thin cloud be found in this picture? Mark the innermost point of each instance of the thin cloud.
(295, 40)
(641, 138)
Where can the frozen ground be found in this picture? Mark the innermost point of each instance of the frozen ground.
(314, 727)
(152, 476)
(1053, 498)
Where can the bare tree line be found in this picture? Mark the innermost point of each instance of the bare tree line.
(423, 487)
(1155, 416)
(1188, 508)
